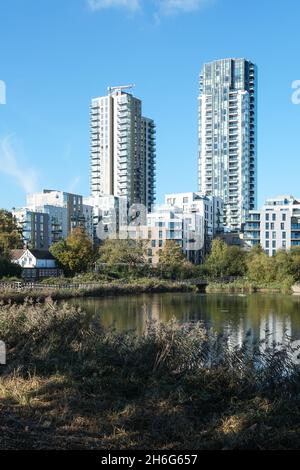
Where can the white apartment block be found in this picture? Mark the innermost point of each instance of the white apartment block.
(122, 148)
(108, 214)
(227, 137)
(210, 207)
(276, 226)
(191, 220)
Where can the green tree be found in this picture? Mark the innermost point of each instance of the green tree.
(261, 267)
(123, 255)
(10, 233)
(225, 260)
(172, 262)
(75, 254)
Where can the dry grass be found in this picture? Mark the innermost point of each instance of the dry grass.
(70, 385)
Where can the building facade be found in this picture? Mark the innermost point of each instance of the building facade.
(122, 161)
(228, 137)
(73, 203)
(36, 264)
(51, 216)
(211, 208)
(276, 226)
(189, 219)
(35, 228)
(109, 214)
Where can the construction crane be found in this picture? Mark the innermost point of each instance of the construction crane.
(111, 89)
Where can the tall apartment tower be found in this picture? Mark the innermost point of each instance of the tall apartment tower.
(122, 148)
(228, 137)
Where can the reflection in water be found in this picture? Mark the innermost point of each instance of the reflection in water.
(268, 317)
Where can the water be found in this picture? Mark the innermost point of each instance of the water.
(238, 315)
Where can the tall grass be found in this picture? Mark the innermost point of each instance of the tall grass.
(72, 383)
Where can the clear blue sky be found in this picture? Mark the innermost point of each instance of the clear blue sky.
(55, 55)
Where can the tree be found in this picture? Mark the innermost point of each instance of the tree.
(10, 233)
(9, 269)
(173, 263)
(75, 254)
(225, 260)
(288, 264)
(129, 253)
(260, 267)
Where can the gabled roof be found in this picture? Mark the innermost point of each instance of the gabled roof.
(38, 254)
(42, 254)
(16, 254)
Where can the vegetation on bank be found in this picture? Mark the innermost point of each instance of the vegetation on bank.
(112, 288)
(125, 261)
(70, 384)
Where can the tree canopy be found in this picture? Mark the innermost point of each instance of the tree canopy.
(173, 262)
(75, 254)
(10, 233)
(122, 252)
(225, 260)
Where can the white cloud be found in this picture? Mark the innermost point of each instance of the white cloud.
(73, 184)
(177, 6)
(132, 5)
(25, 177)
(166, 7)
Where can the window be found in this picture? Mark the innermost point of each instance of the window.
(274, 217)
(282, 226)
(153, 243)
(284, 217)
(274, 235)
(267, 244)
(185, 200)
(267, 226)
(267, 235)
(267, 217)
(283, 235)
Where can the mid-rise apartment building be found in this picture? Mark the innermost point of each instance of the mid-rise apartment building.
(276, 226)
(211, 208)
(73, 203)
(122, 148)
(228, 137)
(189, 219)
(109, 214)
(35, 228)
(50, 216)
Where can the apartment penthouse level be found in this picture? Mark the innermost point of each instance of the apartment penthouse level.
(227, 136)
(122, 148)
(276, 226)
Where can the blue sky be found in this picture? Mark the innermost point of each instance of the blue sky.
(55, 55)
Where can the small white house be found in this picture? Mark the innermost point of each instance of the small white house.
(36, 264)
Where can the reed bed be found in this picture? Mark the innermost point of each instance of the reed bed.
(70, 384)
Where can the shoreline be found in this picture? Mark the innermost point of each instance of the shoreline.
(102, 290)
(144, 286)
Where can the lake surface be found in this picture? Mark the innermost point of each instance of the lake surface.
(255, 315)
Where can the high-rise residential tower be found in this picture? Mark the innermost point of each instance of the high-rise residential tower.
(122, 148)
(227, 136)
